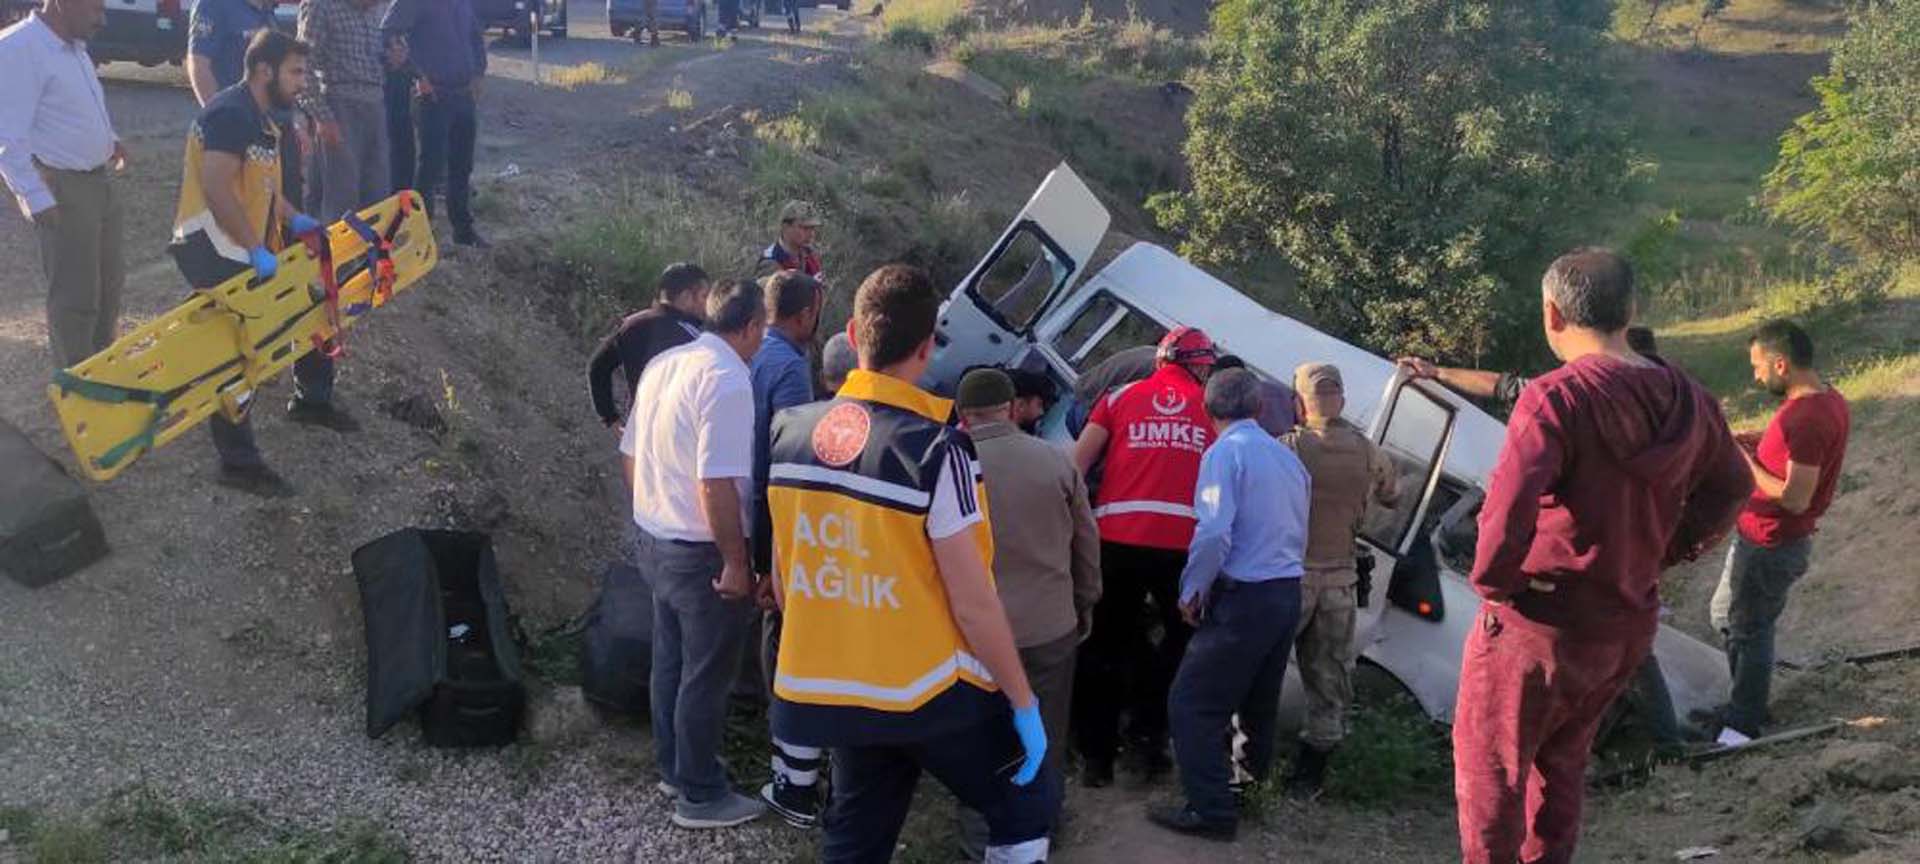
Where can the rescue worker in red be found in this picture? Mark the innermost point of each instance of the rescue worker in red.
(1615, 465)
(1149, 435)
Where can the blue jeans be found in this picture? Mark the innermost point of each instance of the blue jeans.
(1234, 664)
(697, 640)
(1759, 578)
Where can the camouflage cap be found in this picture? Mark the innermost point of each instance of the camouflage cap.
(800, 213)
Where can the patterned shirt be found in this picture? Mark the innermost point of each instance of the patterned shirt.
(346, 58)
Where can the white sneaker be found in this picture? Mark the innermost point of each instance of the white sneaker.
(1731, 737)
(730, 810)
(667, 789)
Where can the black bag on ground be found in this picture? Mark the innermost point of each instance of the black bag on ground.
(47, 528)
(616, 657)
(438, 638)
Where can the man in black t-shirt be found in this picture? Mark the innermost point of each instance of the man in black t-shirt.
(673, 320)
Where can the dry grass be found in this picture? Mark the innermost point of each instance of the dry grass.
(583, 75)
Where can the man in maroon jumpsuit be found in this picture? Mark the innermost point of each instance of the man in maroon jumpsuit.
(1615, 465)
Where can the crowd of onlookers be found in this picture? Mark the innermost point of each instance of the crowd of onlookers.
(367, 98)
(934, 587)
(1155, 577)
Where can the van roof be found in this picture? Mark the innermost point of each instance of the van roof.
(1158, 282)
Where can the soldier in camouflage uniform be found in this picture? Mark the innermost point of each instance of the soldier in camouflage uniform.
(1348, 473)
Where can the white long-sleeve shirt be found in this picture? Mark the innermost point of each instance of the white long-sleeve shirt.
(51, 109)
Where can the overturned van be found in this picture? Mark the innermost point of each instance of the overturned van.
(1029, 304)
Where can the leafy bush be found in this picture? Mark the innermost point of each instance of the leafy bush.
(1416, 161)
(1850, 170)
(923, 24)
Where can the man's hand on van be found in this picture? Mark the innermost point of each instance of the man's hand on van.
(1417, 368)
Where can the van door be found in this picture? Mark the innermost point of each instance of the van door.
(1044, 251)
(1413, 427)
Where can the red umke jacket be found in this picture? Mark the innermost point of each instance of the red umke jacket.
(1610, 472)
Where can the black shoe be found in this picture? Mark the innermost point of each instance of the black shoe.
(325, 415)
(1309, 773)
(799, 805)
(471, 238)
(1182, 820)
(255, 480)
(1097, 773)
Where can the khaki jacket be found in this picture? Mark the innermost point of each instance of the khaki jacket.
(1047, 547)
(1349, 473)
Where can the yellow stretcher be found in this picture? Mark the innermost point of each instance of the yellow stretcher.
(210, 353)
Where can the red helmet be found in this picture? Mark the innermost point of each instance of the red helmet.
(1186, 346)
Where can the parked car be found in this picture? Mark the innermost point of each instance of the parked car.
(514, 17)
(688, 16)
(147, 32)
(1030, 304)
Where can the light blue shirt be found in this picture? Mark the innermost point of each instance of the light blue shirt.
(1251, 500)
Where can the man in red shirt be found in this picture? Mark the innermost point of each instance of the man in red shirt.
(1614, 465)
(1796, 467)
(1149, 435)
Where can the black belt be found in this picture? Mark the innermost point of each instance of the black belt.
(97, 169)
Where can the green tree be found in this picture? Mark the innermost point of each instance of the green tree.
(1850, 170)
(1417, 162)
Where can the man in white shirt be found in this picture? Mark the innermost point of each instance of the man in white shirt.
(57, 155)
(689, 454)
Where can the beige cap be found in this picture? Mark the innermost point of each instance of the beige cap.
(1318, 378)
(801, 213)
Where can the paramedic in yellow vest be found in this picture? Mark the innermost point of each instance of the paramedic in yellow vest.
(229, 221)
(896, 653)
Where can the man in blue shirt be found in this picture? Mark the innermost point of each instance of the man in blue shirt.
(217, 35)
(782, 379)
(449, 54)
(1241, 592)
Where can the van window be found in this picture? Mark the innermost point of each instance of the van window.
(1023, 274)
(1415, 436)
(1102, 328)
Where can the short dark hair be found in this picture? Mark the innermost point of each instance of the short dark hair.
(1229, 361)
(735, 305)
(1038, 385)
(1233, 395)
(678, 279)
(1593, 287)
(1640, 339)
(789, 293)
(272, 47)
(894, 313)
(1785, 338)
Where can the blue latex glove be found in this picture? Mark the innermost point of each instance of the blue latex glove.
(264, 264)
(1033, 736)
(302, 224)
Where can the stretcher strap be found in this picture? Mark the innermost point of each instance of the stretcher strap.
(322, 249)
(115, 394)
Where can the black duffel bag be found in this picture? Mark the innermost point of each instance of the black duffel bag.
(616, 655)
(438, 640)
(47, 528)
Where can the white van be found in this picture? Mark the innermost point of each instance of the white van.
(1029, 305)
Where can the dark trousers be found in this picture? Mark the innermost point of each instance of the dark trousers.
(448, 126)
(1234, 664)
(797, 764)
(729, 14)
(1647, 694)
(697, 639)
(1759, 578)
(400, 155)
(793, 15)
(312, 383)
(873, 789)
(81, 258)
(1049, 668)
(1120, 667)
